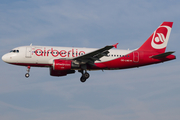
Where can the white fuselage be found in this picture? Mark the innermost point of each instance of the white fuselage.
(46, 54)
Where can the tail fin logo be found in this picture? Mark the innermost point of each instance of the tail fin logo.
(160, 37)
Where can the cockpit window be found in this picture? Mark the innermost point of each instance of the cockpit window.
(15, 51)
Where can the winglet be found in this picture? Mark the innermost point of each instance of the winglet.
(115, 45)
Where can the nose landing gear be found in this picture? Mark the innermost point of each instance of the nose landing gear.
(28, 70)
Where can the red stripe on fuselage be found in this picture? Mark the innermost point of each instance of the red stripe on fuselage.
(128, 61)
(32, 64)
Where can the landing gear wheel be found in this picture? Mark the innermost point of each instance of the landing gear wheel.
(27, 75)
(86, 75)
(83, 79)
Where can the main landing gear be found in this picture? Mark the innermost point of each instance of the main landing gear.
(84, 76)
(28, 70)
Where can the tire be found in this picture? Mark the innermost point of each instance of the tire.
(86, 75)
(83, 79)
(27, 75)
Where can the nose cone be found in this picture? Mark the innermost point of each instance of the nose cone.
(4, 58)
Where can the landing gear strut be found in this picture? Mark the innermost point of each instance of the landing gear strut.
(28, 70)
(84, 76)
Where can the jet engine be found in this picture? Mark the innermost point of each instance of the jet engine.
(62, 67)
(62, 64)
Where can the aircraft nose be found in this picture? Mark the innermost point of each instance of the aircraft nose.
(4, 58)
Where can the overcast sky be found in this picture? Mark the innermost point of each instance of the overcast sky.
(145, 93)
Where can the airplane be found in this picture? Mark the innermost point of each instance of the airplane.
(66, 60)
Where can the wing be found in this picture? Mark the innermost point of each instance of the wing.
(91, 57)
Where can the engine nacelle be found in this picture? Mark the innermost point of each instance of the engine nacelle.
(60, 72)
(60, 64)
(62, 67)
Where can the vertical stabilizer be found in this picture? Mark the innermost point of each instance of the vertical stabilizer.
(157, 42)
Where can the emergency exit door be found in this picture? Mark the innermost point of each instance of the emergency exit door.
(135, 56)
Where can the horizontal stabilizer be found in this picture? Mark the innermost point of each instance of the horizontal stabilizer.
(163, 55)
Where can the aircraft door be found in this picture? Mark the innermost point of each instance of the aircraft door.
(136, 56)
(28, 52)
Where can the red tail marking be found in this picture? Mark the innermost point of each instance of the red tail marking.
(157, 42)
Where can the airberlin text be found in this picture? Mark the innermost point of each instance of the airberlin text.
(56, 53)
